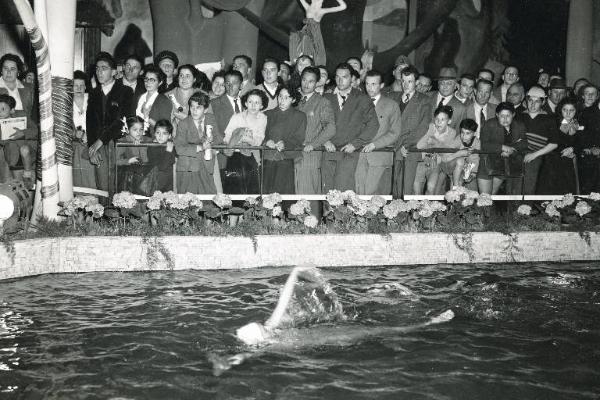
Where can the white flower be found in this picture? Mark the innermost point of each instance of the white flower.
(196, 202)
(349, 195)
(251, 200)
(79, 202)
(595, 196)
(426, 211)
(452, 196)
(460, 189)
(568, 199)
(96, 209)
(306, 204)
(170, 198)
(438, 206)
(359, 207)
(471, 194)
(582, 208)
(467, 202)
(89, 200)
(277, 211)
(552, 211)
(412, 205)
(296, 209)
(334, 198)
(222, 200)
(311, 221)
(391, 210)
(69, 208)
(154, 203)
(379, 201)
(124, 200)
(269, 201)
(484, 200)
(524, 209)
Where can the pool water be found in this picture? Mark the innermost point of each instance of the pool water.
(521, 331)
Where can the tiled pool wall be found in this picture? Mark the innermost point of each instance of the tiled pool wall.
(111, 253)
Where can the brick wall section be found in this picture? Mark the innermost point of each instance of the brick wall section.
(86, 254)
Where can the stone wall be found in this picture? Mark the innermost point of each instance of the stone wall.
(86, 254)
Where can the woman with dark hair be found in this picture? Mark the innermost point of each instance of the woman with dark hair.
(245, 129)
(152, 105)
(504, 138)
(557, 174)
(188, 78)
(588, 142)
(217, 84)
(286, 128)
(84, 174)
(12, 67)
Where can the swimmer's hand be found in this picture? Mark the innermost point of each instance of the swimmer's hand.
(224, 363)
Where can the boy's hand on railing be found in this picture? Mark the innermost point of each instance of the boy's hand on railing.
(270, 144)
(170, 147)
(368, 148)
(280, 146)
(308, 148)
(329, 146)
(349, 148)
(404, 151)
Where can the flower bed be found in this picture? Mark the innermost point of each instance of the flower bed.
(462, 211)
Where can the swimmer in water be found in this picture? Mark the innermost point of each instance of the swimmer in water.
(269, 337)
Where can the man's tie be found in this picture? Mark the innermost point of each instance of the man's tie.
(481, 117)
(373, 99)
(405, 98)
(304, 100)
(236, 108)
(343, 99)
(441, 103)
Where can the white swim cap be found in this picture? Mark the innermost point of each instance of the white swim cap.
(252, 334)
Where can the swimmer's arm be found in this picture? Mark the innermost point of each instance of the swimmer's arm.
(284, 299)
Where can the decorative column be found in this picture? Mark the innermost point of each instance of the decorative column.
(580, 34)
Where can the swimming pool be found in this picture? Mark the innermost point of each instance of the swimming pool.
(520, 331)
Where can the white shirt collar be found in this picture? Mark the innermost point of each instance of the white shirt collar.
(3, 84)
(108, 87)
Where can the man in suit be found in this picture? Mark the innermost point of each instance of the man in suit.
(270, 85)
(481, 109)
(356, 125)
(557, 91)
(132, 70)
(243, 64)
(489, 75)
(466, 86)
(223, 107)
(414, 120)
(515, 96)
(445, 96)
(374, 170)
(509, 77)
(108, 104)
(320, 128)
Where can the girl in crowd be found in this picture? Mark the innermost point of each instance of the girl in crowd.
(505, 139)
(439, 135)
(84, 174)
(161, 159)
(153, 105)
(588, 142)
(188, 81)
(286, 127)
(245, 129)
(217, 85)
(557, 175)
(131, 160)
(195, 136)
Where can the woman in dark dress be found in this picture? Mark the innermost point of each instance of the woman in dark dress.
(504, 138)
(587, 144)
(286, 127)
(557, 174)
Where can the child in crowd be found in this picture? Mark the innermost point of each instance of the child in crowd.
(161, 159)
(196, 161)
(131, 161)
(18, 149)
(462, 165)
(439, 135)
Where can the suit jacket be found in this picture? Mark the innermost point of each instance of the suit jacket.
(222, 110)
(389, 117)
(140, 89)
(490, 112)
(414, 120)
(492, 138)
(106, 124)
(356, 122)
(161, 108)
(458, 108)
(320, 120)
(186, 140)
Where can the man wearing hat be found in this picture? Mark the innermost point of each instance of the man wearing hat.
(168, 62)
(445, 96)
(541, 135)
(557, 91)
(394, 91)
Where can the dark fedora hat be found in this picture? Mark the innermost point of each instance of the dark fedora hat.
(447, 73)
(557, 83)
